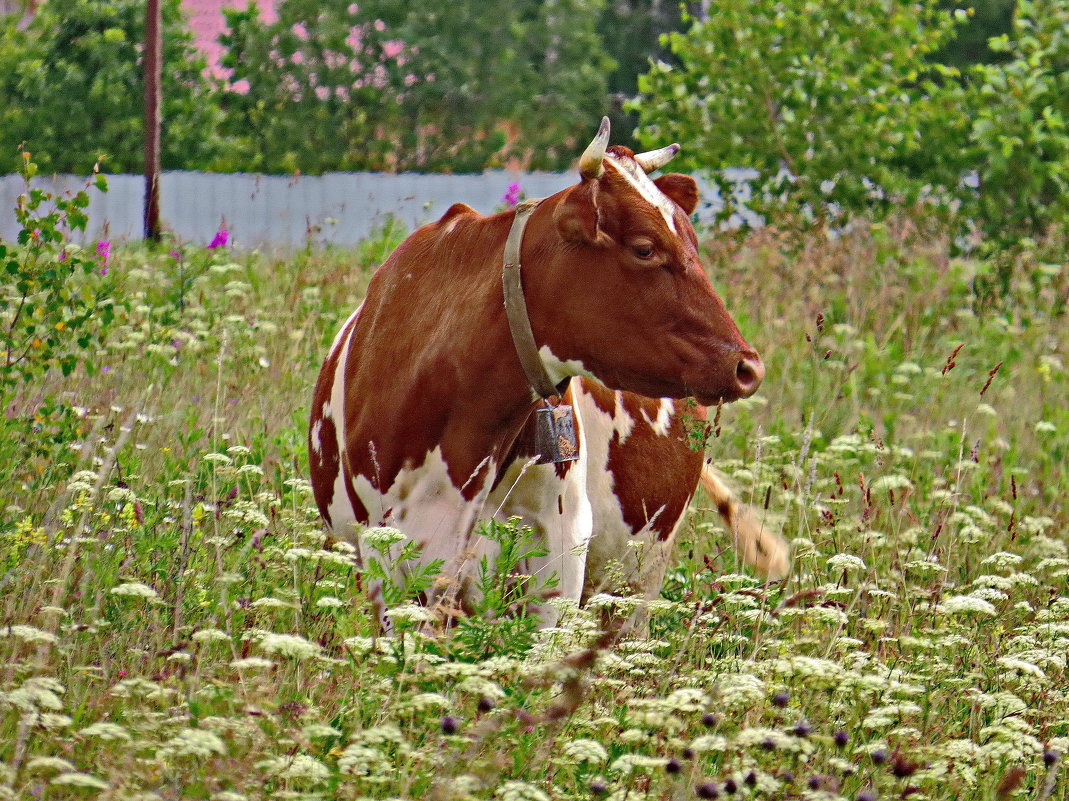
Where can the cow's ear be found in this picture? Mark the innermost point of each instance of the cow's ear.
(681, 188)
(576, 215)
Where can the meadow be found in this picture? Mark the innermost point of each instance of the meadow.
(174, 623)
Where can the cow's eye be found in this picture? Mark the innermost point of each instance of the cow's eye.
(644, 250)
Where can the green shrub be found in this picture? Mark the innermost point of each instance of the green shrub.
(1020, 109)
(54, 311)
(838, 95)
(72, 88)
(843, 106)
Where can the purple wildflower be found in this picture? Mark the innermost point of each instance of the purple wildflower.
(104, 251)
(222, 236)
(512, 196)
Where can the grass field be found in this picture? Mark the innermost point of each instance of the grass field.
(173, 626)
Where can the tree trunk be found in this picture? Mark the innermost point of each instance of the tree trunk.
(153, 97)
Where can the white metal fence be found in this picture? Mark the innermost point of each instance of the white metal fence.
(281, 211)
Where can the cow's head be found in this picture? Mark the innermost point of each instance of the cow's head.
(626, 295)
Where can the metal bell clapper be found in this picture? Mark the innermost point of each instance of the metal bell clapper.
(555, 439)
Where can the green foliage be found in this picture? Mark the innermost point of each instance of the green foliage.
(838, 95)
(846, 107)
(388, 85)
(987, 19)
(72, 88)
(54, 312)
(1019, 136)
(397, 567)
(632, 31)
(505, 616)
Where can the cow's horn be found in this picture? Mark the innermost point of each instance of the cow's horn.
(590, 163)
(655, 159)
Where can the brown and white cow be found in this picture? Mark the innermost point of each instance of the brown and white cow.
(422, 398)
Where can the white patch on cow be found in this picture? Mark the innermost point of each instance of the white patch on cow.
(663, 422)
(559, 369)
(642, 184)
(559, 509)
(317, 437)
(425, 504)
(615, 550)
(337, 337)
(340, 510)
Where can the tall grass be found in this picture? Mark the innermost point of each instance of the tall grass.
(173, 623)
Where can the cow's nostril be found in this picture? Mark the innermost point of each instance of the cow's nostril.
(748, 375)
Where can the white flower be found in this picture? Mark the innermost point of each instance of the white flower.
(890, 714)
(290, 645)
(27, 634)
(363, 760)
(686, 699)
(410, 613)
(382, 537)
(105, 731)
(330, 602)
(844, 562)
(628, 762)
(251, 663)
(210, 635)
(520, 791)
(890, 482)
(217, 458)
(925, 566)
(315, 730)
(709, 742)
(135, 589)
(1002, 559)
(194, 743)
(300, 768)
(966, 605)
(585, 750)
(121, 495)
(1021, 666)
(80, 780)
(49, 763)
(421, 701)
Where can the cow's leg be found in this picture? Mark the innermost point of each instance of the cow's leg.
(552, 499)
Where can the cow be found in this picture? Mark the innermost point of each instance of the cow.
(420, 415)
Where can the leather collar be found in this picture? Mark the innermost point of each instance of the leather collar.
(516, 305)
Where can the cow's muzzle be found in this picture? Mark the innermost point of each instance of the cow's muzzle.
(749, 373)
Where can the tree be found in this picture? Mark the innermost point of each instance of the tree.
(71, 88)
(1019, 139)
(384, 84)
(831, 103)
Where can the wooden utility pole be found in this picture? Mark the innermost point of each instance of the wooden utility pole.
(153, 98)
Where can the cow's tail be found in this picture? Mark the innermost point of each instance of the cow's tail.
(760, 549)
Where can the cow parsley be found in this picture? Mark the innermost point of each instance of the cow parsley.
(520, 791)
(290, 645)
(584, 750)
(135, 589)
(80, 780)
(966, 605)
